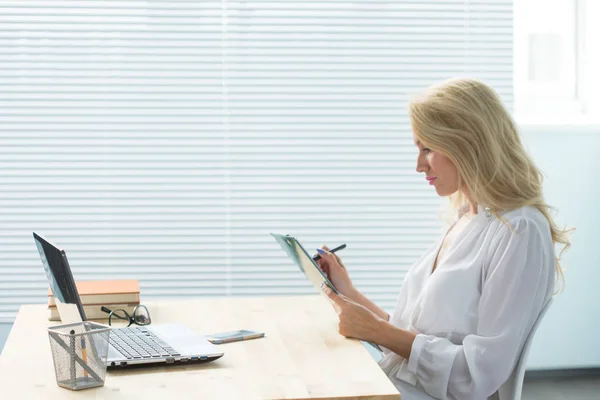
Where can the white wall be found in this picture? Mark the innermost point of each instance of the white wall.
(569, 336)
(4, 331)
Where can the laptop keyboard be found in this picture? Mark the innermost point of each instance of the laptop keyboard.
(138, 342)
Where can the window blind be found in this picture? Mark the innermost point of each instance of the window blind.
(164, 140)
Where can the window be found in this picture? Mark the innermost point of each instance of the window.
(164, 140)
(557, 56)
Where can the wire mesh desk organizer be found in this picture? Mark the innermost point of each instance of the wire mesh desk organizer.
(79, 352)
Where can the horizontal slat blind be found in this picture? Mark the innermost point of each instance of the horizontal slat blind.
(164, 140)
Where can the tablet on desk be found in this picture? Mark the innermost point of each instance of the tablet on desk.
(303, 260)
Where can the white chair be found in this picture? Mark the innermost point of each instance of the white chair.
(512, 388)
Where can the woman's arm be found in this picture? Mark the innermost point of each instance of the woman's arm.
(361, 299)
(395, 339)
(357, 321)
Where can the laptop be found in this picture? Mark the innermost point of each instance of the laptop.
(158, 344)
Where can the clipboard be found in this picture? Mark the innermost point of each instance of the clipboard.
(303, 260)
(309, 267)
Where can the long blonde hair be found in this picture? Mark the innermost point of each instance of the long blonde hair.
(465, 120)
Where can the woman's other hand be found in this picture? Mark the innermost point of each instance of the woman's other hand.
(335, 270)
(356, 321)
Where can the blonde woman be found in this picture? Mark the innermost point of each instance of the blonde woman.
(466, 307)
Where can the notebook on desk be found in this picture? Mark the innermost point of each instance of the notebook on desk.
(131, 346)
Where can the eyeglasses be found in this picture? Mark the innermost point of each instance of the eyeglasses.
(141, 315)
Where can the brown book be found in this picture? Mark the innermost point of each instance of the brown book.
(105, 292)
(93, 311)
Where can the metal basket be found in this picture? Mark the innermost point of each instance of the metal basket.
(79, 352)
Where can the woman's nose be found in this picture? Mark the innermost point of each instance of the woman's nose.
(421, 164)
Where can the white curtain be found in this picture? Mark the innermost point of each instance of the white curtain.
(164, 140)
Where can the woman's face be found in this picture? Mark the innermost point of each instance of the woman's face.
(439, 171)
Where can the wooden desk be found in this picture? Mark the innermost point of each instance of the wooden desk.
(301, 357)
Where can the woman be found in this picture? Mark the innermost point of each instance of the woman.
(466, 307)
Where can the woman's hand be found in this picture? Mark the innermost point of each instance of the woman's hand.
(356, 321)
(333, 267)
(335, 270)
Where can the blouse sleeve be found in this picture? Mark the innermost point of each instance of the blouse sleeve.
(515, 286)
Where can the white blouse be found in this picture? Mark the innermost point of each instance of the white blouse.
(472, 315)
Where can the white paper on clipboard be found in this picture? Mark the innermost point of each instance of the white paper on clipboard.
(303, 260)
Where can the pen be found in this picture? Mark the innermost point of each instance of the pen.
(72, 355)
(84, 355)
(340, 247)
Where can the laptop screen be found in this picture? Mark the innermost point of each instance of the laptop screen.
(58, 273)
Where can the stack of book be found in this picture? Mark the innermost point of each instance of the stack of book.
(124, 294)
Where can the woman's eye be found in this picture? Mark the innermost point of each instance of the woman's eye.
(426, 150)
